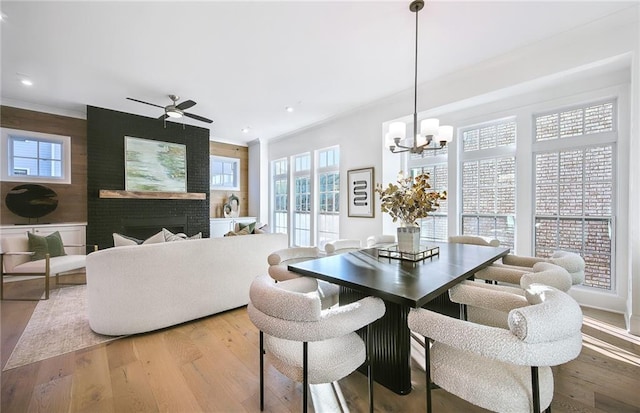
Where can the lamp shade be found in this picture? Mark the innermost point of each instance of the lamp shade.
(398, 130)
(429, 127)
(445, 133)
(388, 140)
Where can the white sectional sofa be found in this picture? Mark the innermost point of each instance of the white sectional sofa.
(135, 289)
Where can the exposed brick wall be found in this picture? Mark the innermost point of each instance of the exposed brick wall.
(106, 130)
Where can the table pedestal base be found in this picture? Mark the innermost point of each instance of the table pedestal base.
(390, 344)
(391, 339)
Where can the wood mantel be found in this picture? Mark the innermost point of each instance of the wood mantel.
(116, 194)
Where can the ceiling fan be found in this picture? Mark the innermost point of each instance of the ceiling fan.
(176, 110)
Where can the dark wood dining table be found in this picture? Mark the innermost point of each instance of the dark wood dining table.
(403, 285)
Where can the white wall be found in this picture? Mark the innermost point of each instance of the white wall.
(633, 304)
(607, 45)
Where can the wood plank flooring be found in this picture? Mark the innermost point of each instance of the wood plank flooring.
(211, 365)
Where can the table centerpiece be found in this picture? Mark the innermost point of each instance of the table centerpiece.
(408, 201)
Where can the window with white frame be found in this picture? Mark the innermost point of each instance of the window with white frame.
(224, 173)
(35, 157)
(328, 175)
(302, 200)
(280, 179)
(574, 165)
(434, 227)
(488, 176)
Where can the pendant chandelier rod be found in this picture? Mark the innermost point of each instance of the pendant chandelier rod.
(430, 128)
(415, 7)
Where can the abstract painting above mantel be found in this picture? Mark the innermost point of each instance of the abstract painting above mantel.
(155, 166)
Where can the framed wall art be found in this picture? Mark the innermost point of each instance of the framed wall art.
(360, 192)
(155, 166)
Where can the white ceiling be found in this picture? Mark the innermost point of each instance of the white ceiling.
(243, 62)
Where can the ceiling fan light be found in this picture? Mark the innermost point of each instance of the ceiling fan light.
(174, 114)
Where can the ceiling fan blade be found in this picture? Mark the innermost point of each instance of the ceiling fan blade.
(196, 117)
(146, 103)
(165, 116)
(186, 104)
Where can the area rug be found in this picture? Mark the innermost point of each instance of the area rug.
(58, 325)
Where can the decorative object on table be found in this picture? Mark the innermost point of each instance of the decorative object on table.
(232, 208)
(394, 252)
(31, 200)
(360, 189)
(408, 201)
(430, 130)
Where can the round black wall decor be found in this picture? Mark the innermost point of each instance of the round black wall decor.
(31, 201)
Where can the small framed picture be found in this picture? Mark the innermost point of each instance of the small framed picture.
(360, 192)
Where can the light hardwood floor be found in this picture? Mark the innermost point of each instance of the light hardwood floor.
(211, 365)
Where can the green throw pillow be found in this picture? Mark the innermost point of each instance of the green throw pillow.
(251, 226)
(55, 245)
(51, 244)
(37, 245)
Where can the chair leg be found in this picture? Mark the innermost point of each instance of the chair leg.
(47, 271)
(535, 389)
(261, 371)
(369, 368)
(1, 276)
(463, 312)
(305, 375)
(427, 371)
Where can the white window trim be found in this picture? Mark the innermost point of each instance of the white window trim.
(236, 162)
(7, 162)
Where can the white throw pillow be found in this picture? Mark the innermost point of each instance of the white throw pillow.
(120, 240)
(170, 236)
(155, 239)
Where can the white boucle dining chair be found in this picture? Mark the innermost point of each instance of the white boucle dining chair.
(474, 240)
(278, 270)
(503, 370)
(514, 266)
(341, 246)
(304, 342)
(381, 241)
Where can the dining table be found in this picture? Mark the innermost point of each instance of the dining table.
(403, 281)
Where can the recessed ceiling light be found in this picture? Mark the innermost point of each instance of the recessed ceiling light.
(26, 82)
(288, 109)
(245, 130)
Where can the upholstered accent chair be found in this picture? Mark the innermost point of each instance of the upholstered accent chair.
(514, 267)
(278, 270)
(341, 246)
(504, 370)
(16, 260)
(380, 241)
(474, 240)
(305, 342)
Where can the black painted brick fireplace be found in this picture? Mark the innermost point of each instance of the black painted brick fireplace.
(106, 130)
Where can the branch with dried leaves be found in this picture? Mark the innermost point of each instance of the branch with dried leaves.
(410, 199)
